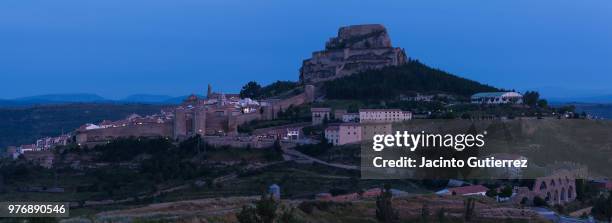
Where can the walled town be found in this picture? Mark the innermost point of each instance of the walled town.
(219, 119)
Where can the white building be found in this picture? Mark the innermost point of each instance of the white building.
(497, 98)
(344, 133)
(383, 115)
(50, 142)
(293, 134)
(90, 126)
(320, 114)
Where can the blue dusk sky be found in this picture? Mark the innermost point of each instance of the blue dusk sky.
(115, 48)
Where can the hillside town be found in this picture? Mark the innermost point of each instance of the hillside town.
(220, 114)
(218, 119)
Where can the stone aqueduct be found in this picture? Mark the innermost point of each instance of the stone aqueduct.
(559, 188)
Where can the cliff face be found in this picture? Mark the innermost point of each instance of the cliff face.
(356, 48)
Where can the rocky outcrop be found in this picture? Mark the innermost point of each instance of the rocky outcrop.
(356, 48)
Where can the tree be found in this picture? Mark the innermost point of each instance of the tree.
(264, 211)
(278, 148)
(542, 103)
(251, 90)
(585, 191)
(266, 208)
(539, 202)
(531, 98)
(425, 213)
(384, 206)
(524, 201)
(248, 214)
(470, 203)
(491, 193)
(441, 215)
(506, 191)
(602, 210)
(288, 216)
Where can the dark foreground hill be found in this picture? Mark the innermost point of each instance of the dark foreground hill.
(388, 83)
(25, 125)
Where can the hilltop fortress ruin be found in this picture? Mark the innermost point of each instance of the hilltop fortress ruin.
(356, 48)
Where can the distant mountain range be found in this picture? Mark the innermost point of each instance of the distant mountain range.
(571, 95)
(50, 99)
(62, 98)
(601, 99)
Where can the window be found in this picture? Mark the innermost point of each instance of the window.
(543, 186)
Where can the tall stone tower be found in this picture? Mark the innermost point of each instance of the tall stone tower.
(180, 128)
(199, 122)
(209, 92)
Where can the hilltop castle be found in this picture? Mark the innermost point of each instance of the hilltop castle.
(356, 48)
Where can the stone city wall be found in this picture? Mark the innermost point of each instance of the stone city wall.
(238, 142)
(246, 118)
(147, 130)
(271, 112)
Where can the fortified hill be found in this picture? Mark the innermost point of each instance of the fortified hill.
(356, 48)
